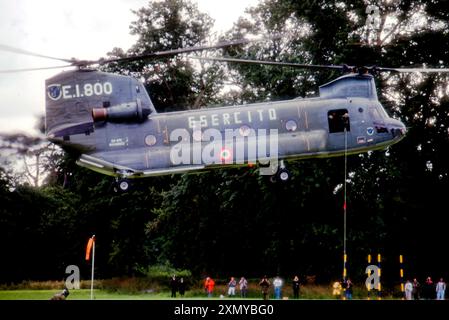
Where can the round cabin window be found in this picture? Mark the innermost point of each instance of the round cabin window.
(244, 130)
(291, 125)
(150, 140)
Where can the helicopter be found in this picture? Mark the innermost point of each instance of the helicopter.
(110, 121)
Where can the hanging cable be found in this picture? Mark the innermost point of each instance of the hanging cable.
(344, 206)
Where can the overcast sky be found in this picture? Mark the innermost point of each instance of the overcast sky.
(85, 29)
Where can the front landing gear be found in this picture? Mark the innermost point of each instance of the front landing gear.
(122, 185)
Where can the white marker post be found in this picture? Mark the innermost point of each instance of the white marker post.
(91, 246)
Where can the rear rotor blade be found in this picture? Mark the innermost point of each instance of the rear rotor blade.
(411, 70)
(29, 53)
(274, 63)
(181, 50)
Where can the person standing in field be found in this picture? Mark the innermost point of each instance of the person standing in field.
(209, 285)
(416, 289)
(231, 287)
(348, 289)
(173, 286)
(295, 284)
(277, 284)
(336, 289)
(408, 290)
(440, 289)
(428, 291)
(182, 287)
(265, 286)
(243, 285)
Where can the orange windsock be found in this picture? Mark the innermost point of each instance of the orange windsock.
(90, 244)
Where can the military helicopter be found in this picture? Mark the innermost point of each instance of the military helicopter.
(111, 122)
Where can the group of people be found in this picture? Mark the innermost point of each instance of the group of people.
(209, 285)
(413, 290)
(277, 285)
(429, 290)
(177, 286)
(264, 283)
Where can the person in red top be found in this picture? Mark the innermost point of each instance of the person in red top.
(209, 285)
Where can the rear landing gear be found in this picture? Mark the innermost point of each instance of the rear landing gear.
(282, 174)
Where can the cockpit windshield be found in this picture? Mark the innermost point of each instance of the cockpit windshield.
(383, 112)
(378, 113)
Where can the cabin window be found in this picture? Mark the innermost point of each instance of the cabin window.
(291, 125)
(150, 140)
(197, 134)
(244, 130)
(338, 120)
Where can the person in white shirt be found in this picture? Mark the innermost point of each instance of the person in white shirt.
(440, 289)
(277, 284)
(408, 290)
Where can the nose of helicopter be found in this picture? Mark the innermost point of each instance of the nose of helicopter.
(397, 128)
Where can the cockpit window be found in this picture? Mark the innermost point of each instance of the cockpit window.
(378, 113)
(338, 120)
(383, 112)
(374, 113)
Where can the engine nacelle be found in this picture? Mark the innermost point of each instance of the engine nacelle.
(125, 112)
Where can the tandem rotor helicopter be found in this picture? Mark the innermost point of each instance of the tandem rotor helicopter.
(111, 122)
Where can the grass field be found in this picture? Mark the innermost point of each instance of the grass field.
(84, 294)
(145, 289)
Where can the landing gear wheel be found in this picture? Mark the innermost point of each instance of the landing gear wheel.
(122, 185)
(283, 175)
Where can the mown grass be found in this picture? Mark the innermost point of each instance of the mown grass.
(82, 294)
(129, 291)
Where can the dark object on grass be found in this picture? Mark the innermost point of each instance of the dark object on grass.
(62, 295)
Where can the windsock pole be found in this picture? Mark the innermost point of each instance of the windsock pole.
(91, 248)
(92, 277)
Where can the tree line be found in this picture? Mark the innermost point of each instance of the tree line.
(234, 221)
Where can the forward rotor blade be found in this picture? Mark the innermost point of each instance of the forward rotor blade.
(181, 50)
(34, 69)
(274, 63)
(412, 70)
(29, 53)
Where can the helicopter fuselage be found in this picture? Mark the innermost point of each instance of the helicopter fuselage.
(119, 133)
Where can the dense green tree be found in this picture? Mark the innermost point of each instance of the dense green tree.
(172, 82)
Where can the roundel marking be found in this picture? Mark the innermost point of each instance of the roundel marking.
(54, 91)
